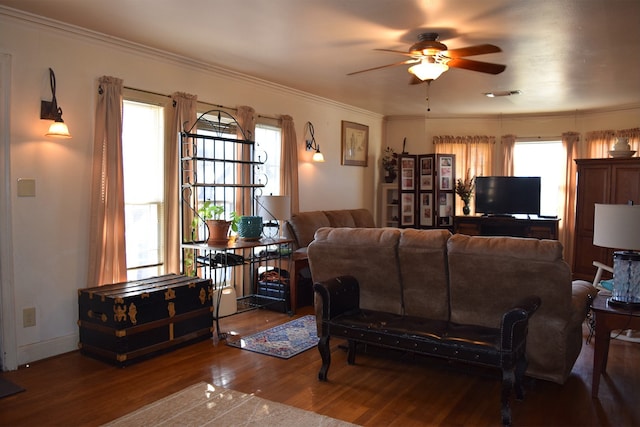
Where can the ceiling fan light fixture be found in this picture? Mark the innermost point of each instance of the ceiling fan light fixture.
(426, 70)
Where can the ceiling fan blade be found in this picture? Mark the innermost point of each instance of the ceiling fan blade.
(408, 61)
(483, 67)
(480, 49)
(400, 52)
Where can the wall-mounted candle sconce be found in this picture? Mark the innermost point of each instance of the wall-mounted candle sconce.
(49, 110)
(311, 143)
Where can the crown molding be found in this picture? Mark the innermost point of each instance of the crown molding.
(158, 54)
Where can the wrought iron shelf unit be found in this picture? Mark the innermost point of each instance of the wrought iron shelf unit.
(217, 168)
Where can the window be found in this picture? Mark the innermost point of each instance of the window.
(268, 144)
(545, 159)
(266, 150)
(143, 165)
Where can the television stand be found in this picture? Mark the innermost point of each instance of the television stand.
(498, 225)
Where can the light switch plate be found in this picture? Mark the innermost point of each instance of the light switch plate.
(26, 187)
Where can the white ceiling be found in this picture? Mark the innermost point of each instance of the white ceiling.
(564, 55)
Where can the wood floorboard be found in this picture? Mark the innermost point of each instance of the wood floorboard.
(383, 388)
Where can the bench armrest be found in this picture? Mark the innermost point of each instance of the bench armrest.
(338, 296)
(515, 322)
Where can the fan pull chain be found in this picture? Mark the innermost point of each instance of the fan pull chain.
(428, 86)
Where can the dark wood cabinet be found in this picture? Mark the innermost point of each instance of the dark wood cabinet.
(608, 181)
(507, 226)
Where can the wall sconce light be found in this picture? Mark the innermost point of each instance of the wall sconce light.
(49, 110)
(311, 144)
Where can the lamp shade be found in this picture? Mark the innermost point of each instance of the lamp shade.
(274, 207)
(426, 70)
(318, 157)
(58, 129)
(617, 226)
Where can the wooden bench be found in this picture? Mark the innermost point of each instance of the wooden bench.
(502, 348)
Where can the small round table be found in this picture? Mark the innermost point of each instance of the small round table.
(608, 318)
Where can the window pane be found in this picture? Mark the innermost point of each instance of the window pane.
(268, 144)
(143, 166)
(142, 147)
(546, 160)
(143, 234)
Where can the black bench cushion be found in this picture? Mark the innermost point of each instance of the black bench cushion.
(434, 337)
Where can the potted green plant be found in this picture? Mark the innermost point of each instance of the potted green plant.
(218, 226)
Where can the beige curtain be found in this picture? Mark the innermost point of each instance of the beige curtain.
(598, 144)
(508, 143)
(246, 117)
(181, 117)
(474, 155)
(289, 163)
(634, 138)
(107, 248)
(567, 226)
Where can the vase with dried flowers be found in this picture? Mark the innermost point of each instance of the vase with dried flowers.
(464, 189)
(390, 164)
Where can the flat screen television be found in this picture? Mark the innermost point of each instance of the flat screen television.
(507, 195)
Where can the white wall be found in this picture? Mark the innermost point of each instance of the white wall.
(50, 239)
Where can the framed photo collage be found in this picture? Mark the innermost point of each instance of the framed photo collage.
(426, 188)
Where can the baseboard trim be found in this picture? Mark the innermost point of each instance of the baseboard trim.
(44, 349)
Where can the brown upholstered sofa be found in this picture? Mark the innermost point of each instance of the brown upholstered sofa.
(433, 275)
(303, 225)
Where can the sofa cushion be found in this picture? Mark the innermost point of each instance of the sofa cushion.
(303, 225)
(340, 218)
(368, 254)
(487, 274)
(422, 255)
(362, 218)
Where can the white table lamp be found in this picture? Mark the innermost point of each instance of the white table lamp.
(618, 227)
(274, 209)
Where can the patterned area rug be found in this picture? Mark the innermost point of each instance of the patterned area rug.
(282, 341)
(203, 404)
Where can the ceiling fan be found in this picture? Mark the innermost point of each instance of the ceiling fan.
(432, 58)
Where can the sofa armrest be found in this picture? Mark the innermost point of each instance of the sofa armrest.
(339, 295)
(582, 294)
(515, 322)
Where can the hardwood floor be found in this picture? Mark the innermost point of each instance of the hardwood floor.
(384, 388)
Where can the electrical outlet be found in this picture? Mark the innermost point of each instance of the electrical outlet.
(29, 317)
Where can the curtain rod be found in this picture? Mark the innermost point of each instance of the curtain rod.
(202, 102)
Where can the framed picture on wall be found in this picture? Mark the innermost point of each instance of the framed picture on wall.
(355, 144)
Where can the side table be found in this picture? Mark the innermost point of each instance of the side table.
(300, 261)
(608, 318)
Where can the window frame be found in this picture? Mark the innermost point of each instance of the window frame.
(142, 97)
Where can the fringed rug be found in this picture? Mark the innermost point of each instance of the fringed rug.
(282, 341)
(203, 404)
